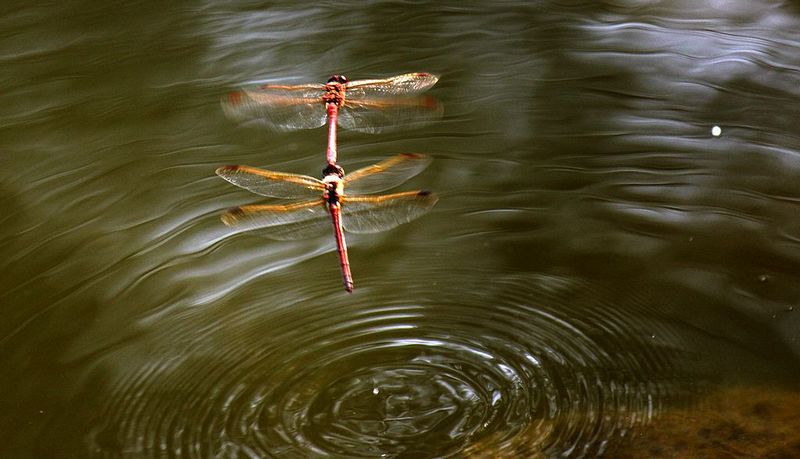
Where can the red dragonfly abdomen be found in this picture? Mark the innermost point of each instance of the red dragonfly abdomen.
(341, 246)
(333, 113)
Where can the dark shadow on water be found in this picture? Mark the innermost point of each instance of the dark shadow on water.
(46, 401)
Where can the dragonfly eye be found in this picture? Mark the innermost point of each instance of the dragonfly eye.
(337, 79)
(333, 169)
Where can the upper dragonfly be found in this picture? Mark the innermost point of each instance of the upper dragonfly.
(364, 105)
(357, 214)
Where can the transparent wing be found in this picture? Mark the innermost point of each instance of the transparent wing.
(374, 115)
(278, 107)
(371, 214)
(406, 84)
(380, 105)
(286, 222)
(272, 184)
(385, 174)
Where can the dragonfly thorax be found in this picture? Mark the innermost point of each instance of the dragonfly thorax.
(334, 90)
(334, 94)
(334, 185)
(333, 189)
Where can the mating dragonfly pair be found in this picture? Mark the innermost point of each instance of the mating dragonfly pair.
(364, 105)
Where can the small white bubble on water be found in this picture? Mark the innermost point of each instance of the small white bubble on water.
(716, 131)
(375, 391)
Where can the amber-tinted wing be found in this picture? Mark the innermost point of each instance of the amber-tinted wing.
(272, 184)
(406, 84)
(371, 214)
(287, 222)
(278, 107)
(374, 106)
(385, 174)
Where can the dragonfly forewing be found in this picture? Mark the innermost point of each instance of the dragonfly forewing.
(278, 107)
(283, 222)
(386, 174)
(272, 184)
(405, 84)
(372, 214)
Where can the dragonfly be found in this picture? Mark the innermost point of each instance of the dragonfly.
(330, 204)
(370, 106)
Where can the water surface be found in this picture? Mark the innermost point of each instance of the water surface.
(598, 260)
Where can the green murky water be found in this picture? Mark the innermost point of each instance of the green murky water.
(598, 261)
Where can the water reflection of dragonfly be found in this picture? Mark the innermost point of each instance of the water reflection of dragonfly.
(357, 214)
(363, 105)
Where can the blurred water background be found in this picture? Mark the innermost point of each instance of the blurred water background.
(598, 258)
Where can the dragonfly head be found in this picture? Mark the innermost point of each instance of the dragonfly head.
(341, 79)
(333, 169)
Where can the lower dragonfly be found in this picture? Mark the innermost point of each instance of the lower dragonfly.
(354, 213)
(363, 105)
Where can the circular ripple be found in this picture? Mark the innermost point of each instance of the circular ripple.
(534, 365)
(369, 403)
